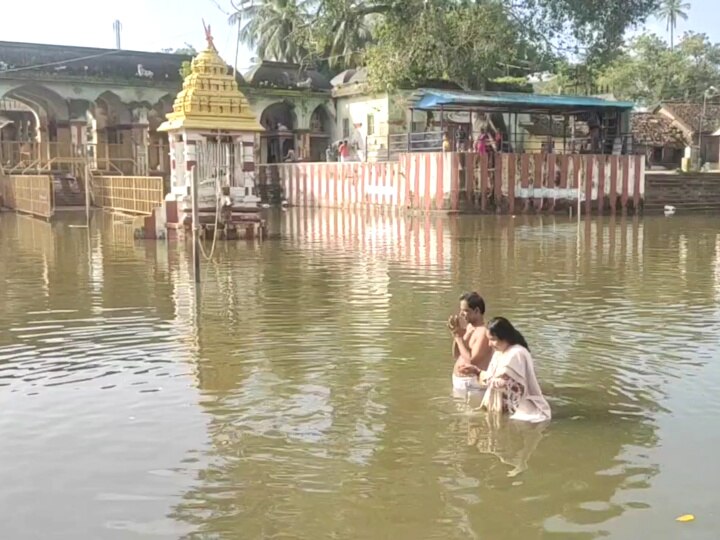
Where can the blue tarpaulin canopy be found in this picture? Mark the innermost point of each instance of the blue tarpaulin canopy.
(450, 100)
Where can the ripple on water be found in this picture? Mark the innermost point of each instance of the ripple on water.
(304, 391)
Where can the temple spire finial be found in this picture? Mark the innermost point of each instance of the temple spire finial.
(208, 36)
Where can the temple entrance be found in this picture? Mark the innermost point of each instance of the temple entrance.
(320, 129)
(278, 140)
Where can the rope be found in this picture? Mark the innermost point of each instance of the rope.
(217, 206)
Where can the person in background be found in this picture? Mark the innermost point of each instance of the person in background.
(329, 153)
(511, 384)
(460, 140)
(481, 143)
(344, 151)
(498, 141)
(445, 143)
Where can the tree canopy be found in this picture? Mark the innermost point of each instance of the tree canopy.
(406, 41)
(649, 71)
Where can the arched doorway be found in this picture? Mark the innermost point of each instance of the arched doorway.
(34, 116)
(278, 139)
(320, 129)
(19, 127)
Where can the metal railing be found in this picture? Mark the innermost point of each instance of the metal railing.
(31, 194)
(131, 194)
(388, 147)
(28, 157)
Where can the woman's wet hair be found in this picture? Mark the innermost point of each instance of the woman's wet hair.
(474, 301)
(502, 329)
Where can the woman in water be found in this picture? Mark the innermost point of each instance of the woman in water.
(512, 386)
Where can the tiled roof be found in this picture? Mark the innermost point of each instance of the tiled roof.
(285, 76)
(85, 62)
(690, 115)
(651, 129)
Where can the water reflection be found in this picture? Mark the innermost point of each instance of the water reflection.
(305, 391)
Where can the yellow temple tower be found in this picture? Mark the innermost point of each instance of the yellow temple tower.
(212, 133)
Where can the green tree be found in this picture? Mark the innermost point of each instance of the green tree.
(428, 37)
(671, 10)
(341, 30)
(650, 71)
(467, 43)
(188, 49)
(273, 28)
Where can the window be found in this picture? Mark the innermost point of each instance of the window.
(346, 128)
(371, 124)
(657, 155)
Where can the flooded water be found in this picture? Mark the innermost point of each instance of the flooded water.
(305, 392)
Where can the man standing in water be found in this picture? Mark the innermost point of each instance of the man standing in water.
(471, 348)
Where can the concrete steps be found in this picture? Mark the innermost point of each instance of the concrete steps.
(68, 193)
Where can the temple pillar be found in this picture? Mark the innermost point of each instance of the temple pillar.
(140, 140)
(64, 139)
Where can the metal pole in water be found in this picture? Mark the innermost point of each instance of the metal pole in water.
(195, 224)
(87, 193)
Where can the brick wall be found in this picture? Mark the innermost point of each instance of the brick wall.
(698, 192)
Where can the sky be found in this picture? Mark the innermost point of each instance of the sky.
(152, 25)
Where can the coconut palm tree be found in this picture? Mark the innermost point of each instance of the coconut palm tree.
(271, 27)
(671, 10)
(349, 32)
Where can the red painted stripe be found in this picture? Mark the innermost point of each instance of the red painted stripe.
(428, 181)
(625, 181)
(601, 185)
(455, 184)
(484, 181)
(636, 185)
(613, 183)
(512, 164)
(525, 178)
(416, 174)
(470, 163)
(377, 175)
(589, 182)
(443, 162)
(538, 183)
(498, 179)
(397, 178)
(564, 169)
(385, 183)
(426, 230)
(551, 164)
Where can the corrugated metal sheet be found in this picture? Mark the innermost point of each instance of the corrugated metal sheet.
(511, 102)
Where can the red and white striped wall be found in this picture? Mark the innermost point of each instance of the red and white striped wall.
(454, 182)
(538, 181)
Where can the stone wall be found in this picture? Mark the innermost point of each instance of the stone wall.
(696, 192)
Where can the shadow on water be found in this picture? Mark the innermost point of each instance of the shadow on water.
(305, 391)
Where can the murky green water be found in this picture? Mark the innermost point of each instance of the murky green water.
(307, 394)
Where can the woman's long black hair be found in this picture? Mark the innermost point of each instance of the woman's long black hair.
(501, 328)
